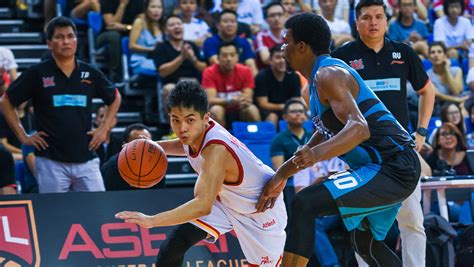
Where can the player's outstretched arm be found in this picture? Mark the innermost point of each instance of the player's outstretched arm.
(172, 147)
(338, 89)
(207, 187)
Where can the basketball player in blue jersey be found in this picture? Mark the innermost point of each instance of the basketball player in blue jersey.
(353, 124)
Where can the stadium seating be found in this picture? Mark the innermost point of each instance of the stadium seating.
(257, 136)
(283, 125)
(96, 55)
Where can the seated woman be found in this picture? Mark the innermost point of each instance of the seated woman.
(447, 79)
(145, 33)
(449, 158)
(450, 112)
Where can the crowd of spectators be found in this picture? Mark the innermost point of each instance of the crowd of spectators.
(234, 49)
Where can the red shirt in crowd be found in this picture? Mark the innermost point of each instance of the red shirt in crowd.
(228, 84)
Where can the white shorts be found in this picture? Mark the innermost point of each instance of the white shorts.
(261, 235)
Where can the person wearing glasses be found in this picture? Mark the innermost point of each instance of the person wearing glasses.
(266, 39)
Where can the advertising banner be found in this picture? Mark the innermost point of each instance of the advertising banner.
(80, 230)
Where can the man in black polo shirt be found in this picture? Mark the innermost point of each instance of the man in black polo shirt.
(274, 86)
(386, 66)
(62, 89)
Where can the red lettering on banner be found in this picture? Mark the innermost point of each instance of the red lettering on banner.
(147, 238)
(105, 231)
(88, 246)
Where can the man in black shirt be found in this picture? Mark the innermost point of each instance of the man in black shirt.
(386, 66)
(62, 88)
(175, 58)
(274, 86)
(118, 17)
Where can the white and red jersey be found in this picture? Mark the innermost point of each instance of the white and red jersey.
(242, 196)
(265, 38)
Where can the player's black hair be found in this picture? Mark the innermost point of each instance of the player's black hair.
(312, 30)
(225, 44)
(271, 4)
(189, 94)
(292, 101)
(446, 4)
(59, 22)
(133, 127)
(368, 3)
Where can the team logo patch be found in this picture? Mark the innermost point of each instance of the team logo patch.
(266, 260)
(48, 82)
(18, 236)
(397, 62)
(357, 64)
(86, 81)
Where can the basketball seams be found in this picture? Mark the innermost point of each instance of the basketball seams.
(156, 163)
(126, 160)
(141, 163)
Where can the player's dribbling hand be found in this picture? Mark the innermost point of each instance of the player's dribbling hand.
(270, 192)
(303, 157)
(139, 218)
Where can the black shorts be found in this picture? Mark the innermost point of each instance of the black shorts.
(7, 168)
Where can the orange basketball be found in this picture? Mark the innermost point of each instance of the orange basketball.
(142, 163)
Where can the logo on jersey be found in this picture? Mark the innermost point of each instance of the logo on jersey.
(357, 64)
(48, 82)
(266, 260)
(396, 56)
(84, 74)
(18, 237)
(268, 224)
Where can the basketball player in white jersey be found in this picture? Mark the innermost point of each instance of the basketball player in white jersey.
(230, 181)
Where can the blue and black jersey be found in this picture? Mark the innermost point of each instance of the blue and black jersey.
(387, 136)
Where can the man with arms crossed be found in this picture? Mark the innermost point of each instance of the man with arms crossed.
(226, 192)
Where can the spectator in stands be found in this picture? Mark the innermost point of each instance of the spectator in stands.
(111, 145)
(288, 140)
(175, 58)
(227, 32)
(446, 79)
(195, 30)
(449, 155)
(7, 173)
(243, 29)
(112, 179)
(450, 112)
(82, 7)
(340, 10)
(8, 66)
(118, 17)
(250, 12)
(469, 105)
(290, 7)
(272, 36)
(144, 36)
(340, 29)
(274, 86)
(229, 87)
(408, 29)
(454, 30)
(62, 88)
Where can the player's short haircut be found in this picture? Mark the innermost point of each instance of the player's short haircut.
(369, 3)
(133, 127)
(226, 44)
(312, 30)
(59, 22)
(275, 49)
(272, 4)
(292, 101)
(189, 94)
(227, 11)
(446, 4)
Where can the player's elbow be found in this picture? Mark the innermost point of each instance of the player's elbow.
(361, 129)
